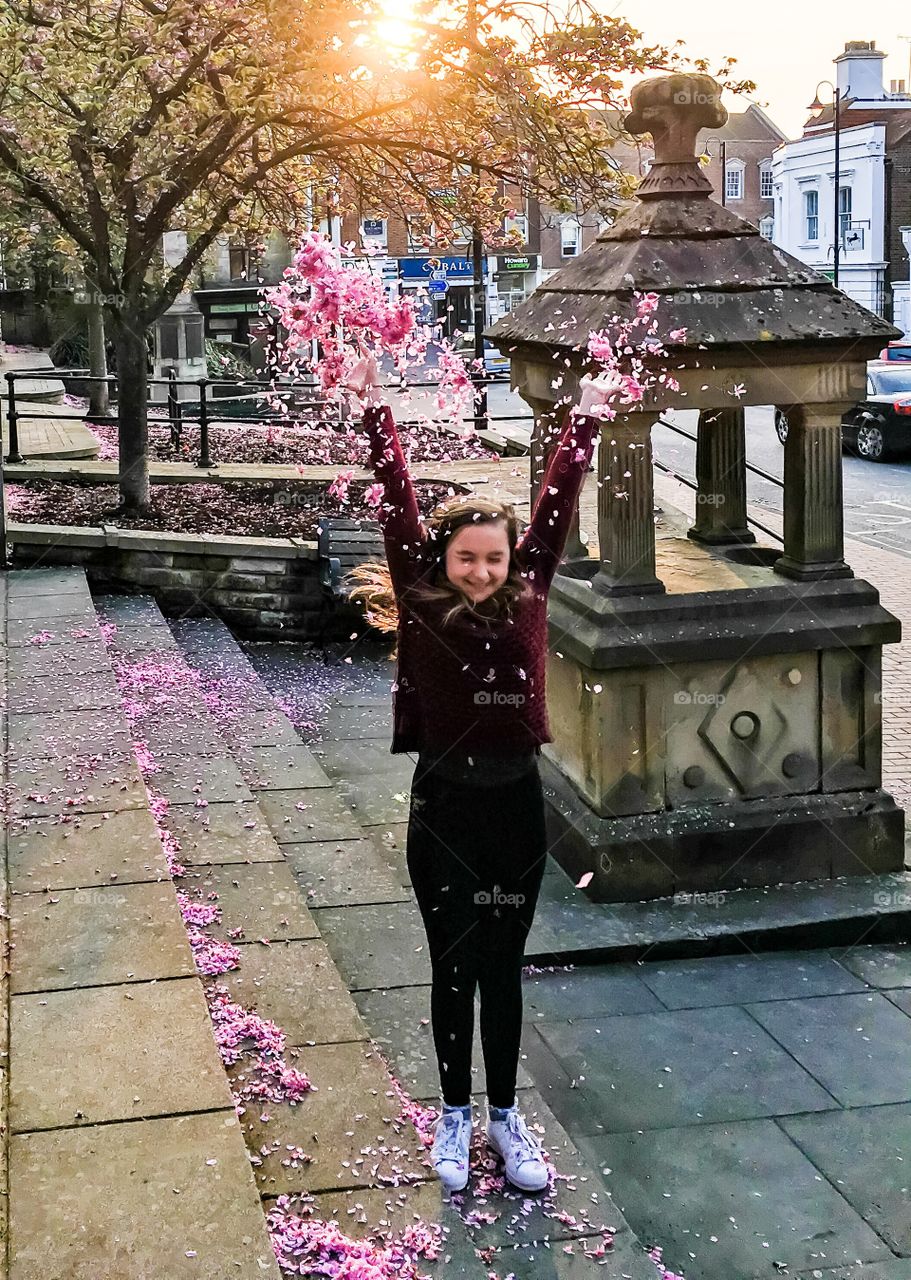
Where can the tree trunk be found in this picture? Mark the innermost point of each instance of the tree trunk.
(132, 413)
(98, 365)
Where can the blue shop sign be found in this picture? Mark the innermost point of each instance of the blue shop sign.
(451, 270)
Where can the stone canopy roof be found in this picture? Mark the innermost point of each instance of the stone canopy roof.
(717, 277)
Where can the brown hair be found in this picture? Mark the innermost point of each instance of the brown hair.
(373, 584)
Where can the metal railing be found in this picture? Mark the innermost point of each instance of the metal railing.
(204, 410)
(691, 484)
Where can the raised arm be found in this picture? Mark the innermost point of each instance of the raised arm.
(403, 533)
(542, 544)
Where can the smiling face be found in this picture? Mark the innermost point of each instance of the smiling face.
(477, 559)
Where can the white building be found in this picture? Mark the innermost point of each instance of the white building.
(807, 218)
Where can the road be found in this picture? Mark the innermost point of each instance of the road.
(877, 495)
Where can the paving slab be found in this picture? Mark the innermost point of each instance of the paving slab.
(891, 1269)
(81, 851)
(162, 1198)
(879, 966)
(358, 722)
(264, 900)
(280, 768)
(350, 759)
(376, 798)
(901, 998)
(718, 980)
(81, 784)
(576, 1208)
(221, 834)
(27, 606)
(55, 582)
(374, 1212)
(307, 813)
(585, 993)
(296, 985)
(129, 611)
(657, 1070)
(866, 1154)
(67, 733)
(350, 1109)
(38, 662)
(857, 1046)
(337, 873)
(730, 1200)
(89, 937)
(113, 1053)
(565, 920)
(76, 692)
(399, 1022)
(69, 629)
(263, 728)
(377, 945)
(187, 733)
(199, 779)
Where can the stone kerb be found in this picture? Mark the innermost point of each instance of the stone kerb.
(269, 586)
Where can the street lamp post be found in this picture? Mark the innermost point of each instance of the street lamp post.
(722, 158)
(816, 105)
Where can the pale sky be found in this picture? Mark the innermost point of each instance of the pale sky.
(785, 46)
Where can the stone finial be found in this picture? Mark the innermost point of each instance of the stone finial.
(673, 109)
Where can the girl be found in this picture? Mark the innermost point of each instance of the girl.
(467, 595)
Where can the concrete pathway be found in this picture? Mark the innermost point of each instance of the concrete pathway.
(125, 1153)
(50, 429)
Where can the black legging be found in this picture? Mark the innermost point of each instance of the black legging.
(476, 857)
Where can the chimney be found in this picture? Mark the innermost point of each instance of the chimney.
(860, 70)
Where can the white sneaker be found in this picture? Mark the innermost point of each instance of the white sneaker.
(450, 1152)
(520, 1150)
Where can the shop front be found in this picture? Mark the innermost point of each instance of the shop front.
(445, 290)
(516, 276)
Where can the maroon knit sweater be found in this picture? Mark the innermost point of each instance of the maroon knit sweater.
(474, 684)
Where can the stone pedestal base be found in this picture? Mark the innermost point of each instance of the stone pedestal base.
(714, 848)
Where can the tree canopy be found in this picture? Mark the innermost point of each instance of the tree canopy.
(124, 119)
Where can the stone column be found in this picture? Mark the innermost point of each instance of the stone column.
(813, 515)
(549, 422)
(721, 500)
(626, 521)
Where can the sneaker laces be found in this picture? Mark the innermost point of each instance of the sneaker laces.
(524, 1143)
(448, 1143)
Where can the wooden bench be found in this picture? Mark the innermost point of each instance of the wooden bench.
(343, 544)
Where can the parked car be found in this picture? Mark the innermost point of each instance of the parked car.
(879, 427)
(494, 361)
(898, 350)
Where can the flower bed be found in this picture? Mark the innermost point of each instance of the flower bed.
(231, 509)
(301, 445)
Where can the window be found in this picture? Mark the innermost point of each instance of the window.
(517, 222)
(239, 262)
(767, 227)
(169, 338)
(844, 212)
(373, 232)
(194, 337)
(811, 214)
(570, 238)
(766, 189)
(733, 181)
(419, 229)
